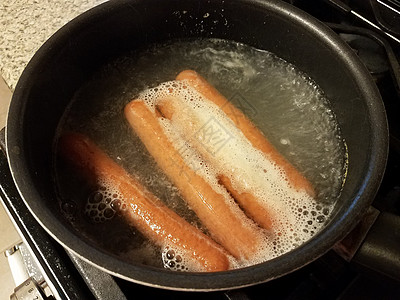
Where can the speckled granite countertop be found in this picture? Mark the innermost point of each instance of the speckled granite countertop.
(26, 24)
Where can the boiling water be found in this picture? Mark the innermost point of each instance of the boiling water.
(284, 103)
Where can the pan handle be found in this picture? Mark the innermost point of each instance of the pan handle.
(374, 244)
(380, 250)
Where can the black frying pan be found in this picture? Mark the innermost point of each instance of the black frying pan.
(73, 54)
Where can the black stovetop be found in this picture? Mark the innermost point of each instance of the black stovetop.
(329, 277)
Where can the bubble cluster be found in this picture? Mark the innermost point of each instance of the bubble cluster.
(174, 260)
(103, 204)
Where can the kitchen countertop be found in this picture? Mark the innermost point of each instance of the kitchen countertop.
(26, 24)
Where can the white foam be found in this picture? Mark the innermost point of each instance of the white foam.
(175, 259)
(211, 144)
(104, 203)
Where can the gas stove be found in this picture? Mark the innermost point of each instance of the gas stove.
(372, 29)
